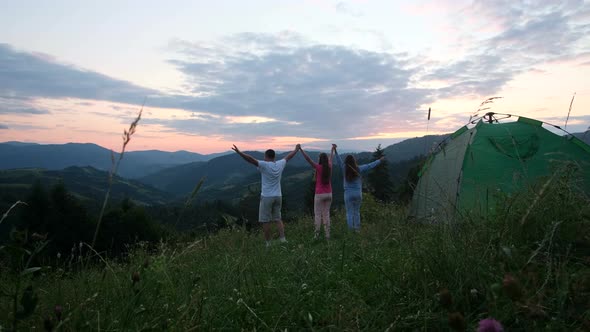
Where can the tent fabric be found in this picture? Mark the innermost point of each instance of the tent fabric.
(439, 181)
(477, 166)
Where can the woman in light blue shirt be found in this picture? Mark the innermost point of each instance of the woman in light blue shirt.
(353, 187)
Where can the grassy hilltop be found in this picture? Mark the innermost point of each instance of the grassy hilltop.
(528, 268)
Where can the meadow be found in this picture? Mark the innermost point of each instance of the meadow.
(528, 267)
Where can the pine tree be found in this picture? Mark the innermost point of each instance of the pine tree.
(379, 180)
(34, 217)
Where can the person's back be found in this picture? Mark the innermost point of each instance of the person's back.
(355, 182)
(323, 191)
(353, 185)
(271, 172)
(270, 194)
(320, 186)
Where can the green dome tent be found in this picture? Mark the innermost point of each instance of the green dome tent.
(475, 166)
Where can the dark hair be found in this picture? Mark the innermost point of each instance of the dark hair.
(326, 170)
(351, 171)
(270, 153)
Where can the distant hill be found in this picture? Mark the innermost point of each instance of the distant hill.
(583, 136)
(227, 175)
(413, 147)
(219, 172)
(87, 183)
(18, 143)
(59, 156)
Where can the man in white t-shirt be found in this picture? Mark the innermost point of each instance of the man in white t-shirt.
(270, 196)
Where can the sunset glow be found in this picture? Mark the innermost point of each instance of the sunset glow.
(271, 74)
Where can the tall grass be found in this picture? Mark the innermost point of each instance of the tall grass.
(189, 200)
(569, 111)
(5, 214)
(127, 133)
(394, 275)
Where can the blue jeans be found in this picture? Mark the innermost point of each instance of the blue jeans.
(352, 201)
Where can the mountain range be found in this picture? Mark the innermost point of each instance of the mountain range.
(87, 183)
(135, 164)
(161, 177)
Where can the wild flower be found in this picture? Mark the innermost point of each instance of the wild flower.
(457, 321)
(489, 325)
(58, 310)
(511, 287)
(445, 299)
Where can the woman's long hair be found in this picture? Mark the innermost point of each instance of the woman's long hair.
(351, 171)
(326, 170)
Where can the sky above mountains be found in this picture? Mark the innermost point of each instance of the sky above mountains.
(263, 74)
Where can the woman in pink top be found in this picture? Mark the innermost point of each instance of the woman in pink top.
(323, 191)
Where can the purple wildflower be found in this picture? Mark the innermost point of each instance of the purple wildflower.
(489, 325)
(512, 287)
(58, 311)
(445, 298)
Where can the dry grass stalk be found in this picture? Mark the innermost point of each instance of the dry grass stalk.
(10, 209)
(127, 133)
(537, 197)
(190, 199)
(484, 106)
(569, 111)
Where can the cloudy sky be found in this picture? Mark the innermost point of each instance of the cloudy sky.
(272, 73)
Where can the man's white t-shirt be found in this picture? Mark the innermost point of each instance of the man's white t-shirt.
(271, 172)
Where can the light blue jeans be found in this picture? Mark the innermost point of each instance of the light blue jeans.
(352, 202)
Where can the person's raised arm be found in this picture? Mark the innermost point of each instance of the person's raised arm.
(332, 152)
(307, 157)
(293, 153)
(246, 157)
(338, 159)
(371, 165)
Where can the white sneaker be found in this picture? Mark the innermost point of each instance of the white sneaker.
(283, 240)
(267, 244)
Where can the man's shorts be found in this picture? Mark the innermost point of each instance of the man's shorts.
(270, 209)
